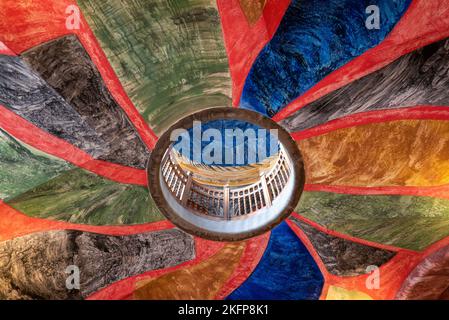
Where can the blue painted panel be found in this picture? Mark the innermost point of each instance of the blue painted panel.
(314, 38)
(229, 144)
(286, 271)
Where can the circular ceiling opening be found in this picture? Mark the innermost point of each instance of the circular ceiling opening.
(226, 174)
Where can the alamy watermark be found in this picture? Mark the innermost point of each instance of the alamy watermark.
(72, 282)
(372, 22)
(373, 280)
(73, 19)
(227, 146)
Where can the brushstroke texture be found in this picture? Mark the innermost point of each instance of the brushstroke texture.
(169, 56)
(397, 153)
(314, 38)
(244, 41)
(337, 293)
(429, 280)
(424, 22)
(253, 9)
(78, 196)
(23, 167)
(65, 65)
(198, 282)
(33, 23)
(286, 271)
(343, 257)
(33, 266)
(418, 78)
(29, 96)
(402, 221)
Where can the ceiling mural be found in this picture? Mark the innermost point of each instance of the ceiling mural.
(354, 201)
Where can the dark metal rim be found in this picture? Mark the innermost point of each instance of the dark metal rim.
(223, 113)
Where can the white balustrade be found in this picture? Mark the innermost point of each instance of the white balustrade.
(225, 203)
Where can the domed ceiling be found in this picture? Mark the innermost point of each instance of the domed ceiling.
(87, 87)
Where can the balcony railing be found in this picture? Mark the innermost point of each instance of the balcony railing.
(226, 203)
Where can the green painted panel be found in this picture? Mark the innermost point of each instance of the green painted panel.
(169, 55)
(23, 167)
(79, 196)
(403, 221)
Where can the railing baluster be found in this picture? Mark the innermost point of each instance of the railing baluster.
(188, 186)
(226, 213)
(226, 203)
(266, 193)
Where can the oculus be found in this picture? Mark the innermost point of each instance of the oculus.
(226, 174)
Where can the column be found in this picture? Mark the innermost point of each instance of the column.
(226, 213)
(266, 193)
(186, 192)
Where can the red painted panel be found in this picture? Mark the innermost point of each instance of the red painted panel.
(42, 140)
(14, 224)
(376, 116)
(254, 251)
(436, 192)
(33, 22)
(244, 42)
(124, 289)
(5, 50)
(425, 21)
(392, 274)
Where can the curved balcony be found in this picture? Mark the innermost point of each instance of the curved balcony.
(225, 200)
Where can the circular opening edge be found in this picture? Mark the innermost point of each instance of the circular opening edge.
(224, 113)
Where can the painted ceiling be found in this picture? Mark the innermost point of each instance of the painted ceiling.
(82, 108)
